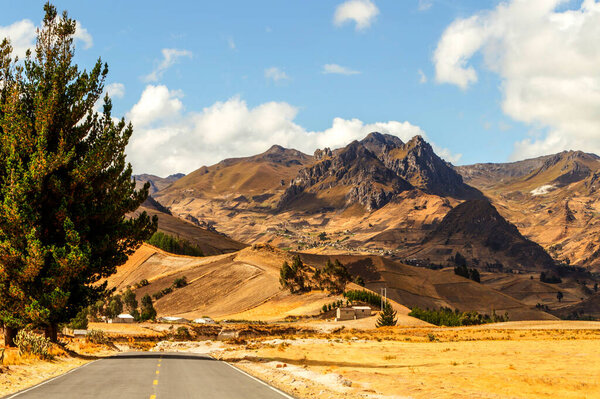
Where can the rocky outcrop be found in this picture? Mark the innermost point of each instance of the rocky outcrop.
(366, 178)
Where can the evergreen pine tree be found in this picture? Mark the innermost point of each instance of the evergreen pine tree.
(65, 187)
(387, 316)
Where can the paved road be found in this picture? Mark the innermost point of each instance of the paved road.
(153, 375)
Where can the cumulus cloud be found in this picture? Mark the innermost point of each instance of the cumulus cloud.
(361, 12)
(22, 36)
(167, 139)
(338, 70)
(170, 57)
(115, 90)
(275, 74)
(548, 57)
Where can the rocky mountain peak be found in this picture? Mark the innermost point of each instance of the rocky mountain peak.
(379, 143)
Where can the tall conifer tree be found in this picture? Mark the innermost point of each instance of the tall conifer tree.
(65, 187)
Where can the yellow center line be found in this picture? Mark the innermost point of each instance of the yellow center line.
(158, 365)
(152, 396)
(155, 382)
(157, 372)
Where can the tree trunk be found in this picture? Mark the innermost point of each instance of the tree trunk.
(52, 332)
(10, 334)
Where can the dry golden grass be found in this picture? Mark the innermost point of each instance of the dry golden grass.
(433, 363)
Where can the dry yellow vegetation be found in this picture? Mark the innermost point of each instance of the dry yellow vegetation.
(504, 361)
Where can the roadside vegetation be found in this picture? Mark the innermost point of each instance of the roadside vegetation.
(453, 318)
(65, 185)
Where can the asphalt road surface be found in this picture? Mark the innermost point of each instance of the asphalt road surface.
(153, 375)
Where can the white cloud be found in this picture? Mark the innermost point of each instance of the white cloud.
(548, 59)
(21, 35)
(422, 76)
(170, 57)
(115, 90)
(275, 74)
(167, 140)
(425, 5)
(156, 104)
(338, 69)
(83, 35)
(362, 12)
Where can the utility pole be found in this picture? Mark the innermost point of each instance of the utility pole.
(383, 291)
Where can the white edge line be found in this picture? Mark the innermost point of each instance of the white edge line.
(50, 380)
(279, 391)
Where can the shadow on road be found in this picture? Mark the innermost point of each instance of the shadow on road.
(160, 355)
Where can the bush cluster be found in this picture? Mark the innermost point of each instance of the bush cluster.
(29, 342)
(363, 296)
(451, 318)
(174, 245)
(96, 337)
(177, 283)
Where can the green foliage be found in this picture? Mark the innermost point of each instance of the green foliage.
(29, 342)
(80, 322)
(115, 307)
(96, 337)
(324, 308)
(358, 280)
(464, 271)
(65, 186)
(323, 236)
(161, 293)
(387, 316)
(293, 277)
(130, 301)
(142, 283)
(460, 260)
(180, 282)
(559, 296)
(147, 309)
(550, 278)
(334, 277)
(447, 317)
(364, 296)
(174, 245)
(182, 334)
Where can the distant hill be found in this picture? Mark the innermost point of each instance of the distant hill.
(478, 232)
(553, 200)
(246, 284)
(156, 183)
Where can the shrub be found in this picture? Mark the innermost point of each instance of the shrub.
(96, 337)
(180, 282)
(182, 334)
(174, 245)
(29, 342)
(451, 318)
(142, 283)
(80, 322)
(148, 312)
(364, 296)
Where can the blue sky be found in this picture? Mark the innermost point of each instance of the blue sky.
(275, 52)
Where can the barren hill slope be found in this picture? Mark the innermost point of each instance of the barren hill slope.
(415, 286)
(476, 230)
(552, 200)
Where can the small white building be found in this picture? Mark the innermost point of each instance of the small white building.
(204, 320)
(122, 318)
(355, 312)
(361, 311)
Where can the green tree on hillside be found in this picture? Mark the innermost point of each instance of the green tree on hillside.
(65, 186)
(147, 310)
(387, 317)
(130, 301)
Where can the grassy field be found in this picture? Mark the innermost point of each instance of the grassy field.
(493, 362)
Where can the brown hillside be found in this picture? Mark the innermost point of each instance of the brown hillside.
(476, 230)
(211, 242)
(414, 286)
(552, 200)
